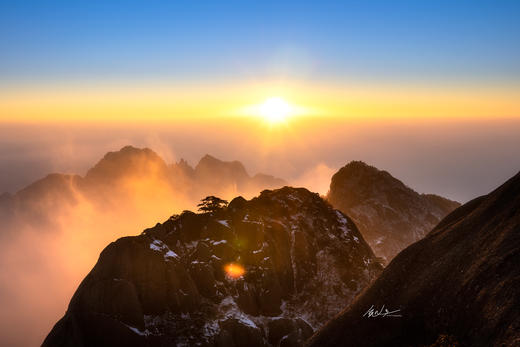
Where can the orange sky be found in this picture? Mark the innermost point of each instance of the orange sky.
(149, 101)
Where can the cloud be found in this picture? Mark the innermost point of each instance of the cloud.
(316, 179)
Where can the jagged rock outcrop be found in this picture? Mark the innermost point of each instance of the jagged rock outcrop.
(303, 262)
(460, 284)
(389, 214)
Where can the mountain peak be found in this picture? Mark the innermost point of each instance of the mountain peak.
(128, 160)
(359, 164)
(389, 214)
(359, 172)
(298, 257)
(212, 163)
(230, 175)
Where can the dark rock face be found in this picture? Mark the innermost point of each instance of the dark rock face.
(303, 262)
(458, 285)
(389, 214)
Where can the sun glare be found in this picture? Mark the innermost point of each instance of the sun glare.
(275, 110)
(234, 270)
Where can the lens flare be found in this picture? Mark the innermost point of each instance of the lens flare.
(234, 270)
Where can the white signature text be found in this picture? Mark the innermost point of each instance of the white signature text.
(383, 312)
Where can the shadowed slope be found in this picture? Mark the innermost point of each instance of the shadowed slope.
(389, 214)
(461, 280)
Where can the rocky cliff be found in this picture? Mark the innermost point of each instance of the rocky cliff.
(389, 214)
(268, 271)
(458, 286)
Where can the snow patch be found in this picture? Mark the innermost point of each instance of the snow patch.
(224, 223)
(231, 310)
(367, 261)
(294, 197)
(341, 218)
(246, 321)
(159, 246)
(137, 331)
(247, 220)
(210, 329)
(171, 254)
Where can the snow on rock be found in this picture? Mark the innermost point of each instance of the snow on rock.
(389, 215)
(301, 268)
(224, 223)
(171, 254)
(159, 246)
(137, 331)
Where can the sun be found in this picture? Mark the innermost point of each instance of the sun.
(275, 110)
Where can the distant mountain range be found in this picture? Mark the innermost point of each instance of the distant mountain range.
(303, 262)
(389, 214)
(458, 286)
(120, 175)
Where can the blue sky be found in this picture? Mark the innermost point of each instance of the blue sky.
(396, 41)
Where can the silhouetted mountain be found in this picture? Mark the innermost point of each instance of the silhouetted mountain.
(303, 261)
(263, 180)
(223, 178)
(127, 162)
(212, 168)
(35, 203)
(389, 214)
(460, 284)
(110, 180)
(182, 168)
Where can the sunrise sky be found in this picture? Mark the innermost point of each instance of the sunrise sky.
(427, 90)
(140, 60)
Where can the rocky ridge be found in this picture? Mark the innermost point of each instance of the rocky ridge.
(303, 262)
(389, 214)
(458, 286)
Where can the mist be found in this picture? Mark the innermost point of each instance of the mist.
(459, 159)
(54, 230)
(49, 243)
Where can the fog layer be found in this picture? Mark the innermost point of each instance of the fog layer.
(53, 231)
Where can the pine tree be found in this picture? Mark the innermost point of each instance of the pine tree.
(211, 204)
